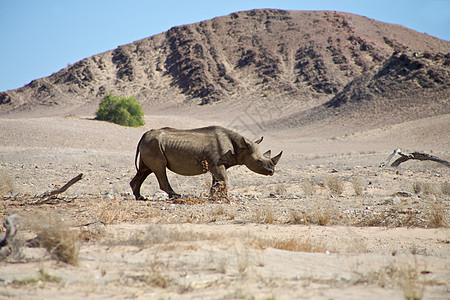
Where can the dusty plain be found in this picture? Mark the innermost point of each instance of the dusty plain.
(330, 224)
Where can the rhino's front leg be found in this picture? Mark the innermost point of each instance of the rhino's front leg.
(219, 181)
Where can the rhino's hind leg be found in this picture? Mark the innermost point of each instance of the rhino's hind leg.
(164, 184)
(137, 181)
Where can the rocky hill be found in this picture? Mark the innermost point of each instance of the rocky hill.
(311, 59)
(403, 75)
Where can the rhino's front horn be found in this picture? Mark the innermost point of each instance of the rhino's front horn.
(275, 159)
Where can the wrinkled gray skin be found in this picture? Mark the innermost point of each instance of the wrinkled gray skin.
(185, 151)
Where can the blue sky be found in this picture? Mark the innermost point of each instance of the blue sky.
(40, 37)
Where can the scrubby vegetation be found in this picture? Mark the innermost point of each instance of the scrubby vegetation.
(55, 235)
(120, 110)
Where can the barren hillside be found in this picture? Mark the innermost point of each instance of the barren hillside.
(305, 59)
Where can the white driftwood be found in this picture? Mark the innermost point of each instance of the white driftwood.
(414, 155)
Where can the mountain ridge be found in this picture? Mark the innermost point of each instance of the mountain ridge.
(309, 58)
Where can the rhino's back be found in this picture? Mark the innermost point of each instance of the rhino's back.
(206, 131)
(185, 150)
(195, 136)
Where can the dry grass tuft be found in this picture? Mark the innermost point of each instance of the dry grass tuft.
(355, 244)
(320, 217)
(391, 218)
(323, 217)
(94, 233)
(297, 245)
(111, 211)
(288, 244)
(410, 282)
(445, 188)
(296, 217)
(309, 188)
(55, 235)
(155, 276)
(254, 241)
(335, 185)
(6, 183)
(322, 213)
(358, 186)
(372, 220)
(220, 212)
(404, 276)
(264, 215)
(436, 217)
(425, 188)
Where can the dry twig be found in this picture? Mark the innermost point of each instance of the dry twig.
(64, 188)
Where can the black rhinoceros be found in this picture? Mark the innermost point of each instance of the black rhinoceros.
(194, 152)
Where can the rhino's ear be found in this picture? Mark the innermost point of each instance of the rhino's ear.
(258, 141)
(267, 154)
(246, 144)
(228, 158)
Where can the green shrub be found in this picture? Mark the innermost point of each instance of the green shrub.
(120, 110)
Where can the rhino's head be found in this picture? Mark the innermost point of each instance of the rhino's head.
(255, 160)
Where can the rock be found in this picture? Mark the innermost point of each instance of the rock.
(396, 200)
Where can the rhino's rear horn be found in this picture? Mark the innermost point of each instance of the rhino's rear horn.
(275, 159)
(258, 141)
(267, 154)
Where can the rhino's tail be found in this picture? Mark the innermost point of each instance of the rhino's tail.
(137, 154)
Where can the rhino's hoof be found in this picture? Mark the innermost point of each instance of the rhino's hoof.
(140, 197)
(175, 196)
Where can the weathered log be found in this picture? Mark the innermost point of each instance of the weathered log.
(11, 224)
(64, 188)
(414, 155)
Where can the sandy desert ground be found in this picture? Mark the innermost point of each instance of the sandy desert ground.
(330, 224)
